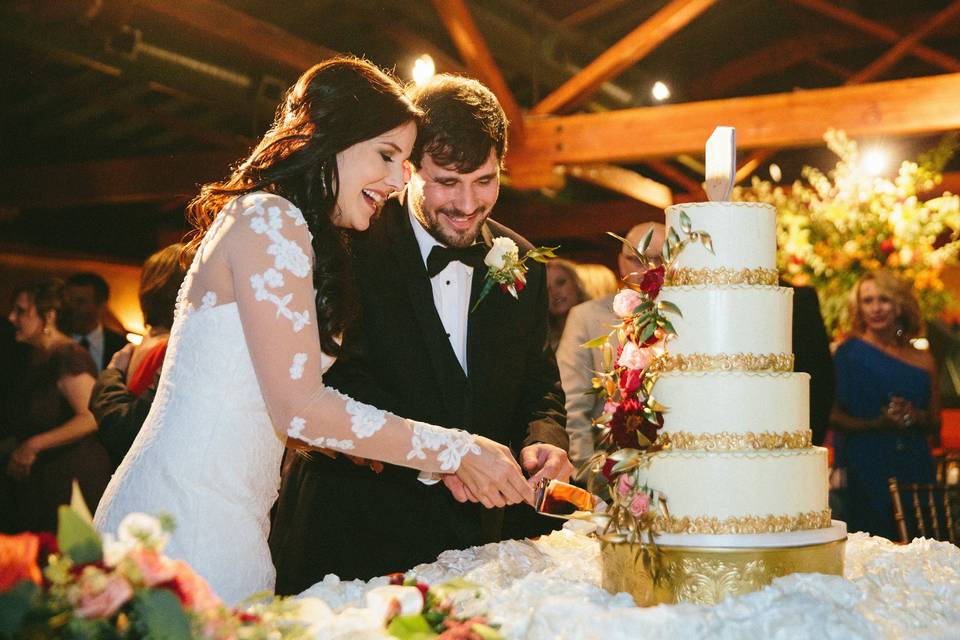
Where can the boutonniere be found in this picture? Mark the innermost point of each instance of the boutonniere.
(506, 269)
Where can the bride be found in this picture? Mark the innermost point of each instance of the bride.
(257, 323)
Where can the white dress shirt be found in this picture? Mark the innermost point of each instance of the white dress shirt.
(95, 338)
(451, 292)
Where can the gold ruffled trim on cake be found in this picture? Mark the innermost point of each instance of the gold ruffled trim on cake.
(726, 441)
(723, 362)
(744, 524)
(687, 276)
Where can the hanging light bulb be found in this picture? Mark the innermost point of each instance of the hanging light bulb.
(660, 91)
(775, 173)
(423, 69)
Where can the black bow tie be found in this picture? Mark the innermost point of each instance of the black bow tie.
(440, 257)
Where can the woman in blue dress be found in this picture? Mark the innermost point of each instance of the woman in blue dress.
(885, 403)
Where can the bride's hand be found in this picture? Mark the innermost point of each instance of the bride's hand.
(494, 477)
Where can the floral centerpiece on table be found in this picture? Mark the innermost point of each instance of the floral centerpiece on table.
(632, 418)
(834, 227)
(82, 585)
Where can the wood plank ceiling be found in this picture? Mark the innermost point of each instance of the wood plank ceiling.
(123, 105)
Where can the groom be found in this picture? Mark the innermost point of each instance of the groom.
(425, 349)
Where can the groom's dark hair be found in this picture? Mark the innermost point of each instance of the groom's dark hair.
(462, 121)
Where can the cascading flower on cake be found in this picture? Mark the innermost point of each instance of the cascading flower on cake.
(632, 418)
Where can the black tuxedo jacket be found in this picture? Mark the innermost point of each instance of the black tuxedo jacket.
(336, 517)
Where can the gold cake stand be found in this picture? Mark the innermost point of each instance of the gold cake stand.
(707, 575)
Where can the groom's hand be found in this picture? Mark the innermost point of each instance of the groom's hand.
(545, 461)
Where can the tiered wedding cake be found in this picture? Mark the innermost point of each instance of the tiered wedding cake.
(739, 458)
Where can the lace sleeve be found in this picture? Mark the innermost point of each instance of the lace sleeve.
(270, 258)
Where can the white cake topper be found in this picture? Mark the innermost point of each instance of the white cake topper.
(721, 163)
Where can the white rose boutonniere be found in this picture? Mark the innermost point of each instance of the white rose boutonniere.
(507, 269)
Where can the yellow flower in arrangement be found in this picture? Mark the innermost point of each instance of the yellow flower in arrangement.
(834, 227)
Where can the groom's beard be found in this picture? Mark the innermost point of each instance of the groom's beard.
(447, 234)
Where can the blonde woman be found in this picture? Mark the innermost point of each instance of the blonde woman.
(885, 402)
(564, 291)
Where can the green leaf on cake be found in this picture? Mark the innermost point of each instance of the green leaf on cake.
(707, 241)
(666, 305)
(645, 242)
(685, 224)
(595, 343)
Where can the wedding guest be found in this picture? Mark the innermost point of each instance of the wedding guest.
(598, 280)
(585, 322)
(564, 291)
(54, 429)
(435, 352)
(264, 303)
(125, 389)
(85, 302)
(885, 402)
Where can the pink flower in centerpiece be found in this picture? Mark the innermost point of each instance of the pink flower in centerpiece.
(154, 568)
(625, 302)
(609, 407)
(102, 595)
(625, 485)
(633, 357)
(194, 592)
(639, 505)
(630, 380)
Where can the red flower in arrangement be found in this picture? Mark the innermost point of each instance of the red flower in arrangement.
(623, 425)
(607, 469)
(887, 246)
(519, 285)
(18, 559)
(630, 380)
(652, 281)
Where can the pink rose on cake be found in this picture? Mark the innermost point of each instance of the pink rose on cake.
(625, 302)
(633, 357)
(639, 505)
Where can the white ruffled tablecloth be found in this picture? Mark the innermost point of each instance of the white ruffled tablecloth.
(550, 589)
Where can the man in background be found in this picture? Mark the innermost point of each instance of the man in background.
(85, 300)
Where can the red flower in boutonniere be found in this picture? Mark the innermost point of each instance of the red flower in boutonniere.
(506, 269)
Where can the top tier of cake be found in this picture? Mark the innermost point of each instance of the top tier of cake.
(744, 235)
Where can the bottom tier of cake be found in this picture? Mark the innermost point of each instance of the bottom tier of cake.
(758, 491)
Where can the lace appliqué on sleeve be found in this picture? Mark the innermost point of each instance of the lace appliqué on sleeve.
(452, 444)
(296, 368)
(297, 425)
(287, 256)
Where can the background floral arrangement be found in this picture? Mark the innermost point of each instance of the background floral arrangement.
(632, 418)
(832, 228)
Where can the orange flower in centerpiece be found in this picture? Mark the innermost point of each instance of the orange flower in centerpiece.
(18, 559)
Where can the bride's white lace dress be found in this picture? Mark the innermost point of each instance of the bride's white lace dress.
(242, 373)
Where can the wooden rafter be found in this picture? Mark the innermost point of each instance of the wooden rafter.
(226, 24)
(868, 73)
(473, 49)
(625, 53)
(625, 181)
(879, 31)
(897, 107)
(905, 45)
(591, 12)
(559, 221)
(667, 171)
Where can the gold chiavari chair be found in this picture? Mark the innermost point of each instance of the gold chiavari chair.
(934, 510)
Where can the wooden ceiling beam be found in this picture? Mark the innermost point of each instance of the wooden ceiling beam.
(473, 49)
(144, 179)
(905, 45)
(879, 31)
(670, 173)
(800, 118)
(622, 55)
(590, 12)
(554, 221)
(621, 180)
(232, 27)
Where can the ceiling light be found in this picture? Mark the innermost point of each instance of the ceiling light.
(423, 69)
(660, 91)
(775, 173)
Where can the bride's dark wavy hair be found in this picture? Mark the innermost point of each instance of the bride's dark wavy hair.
(333, 106)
